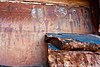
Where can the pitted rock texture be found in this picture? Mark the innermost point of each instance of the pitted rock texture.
(63, 58)
(70, 44)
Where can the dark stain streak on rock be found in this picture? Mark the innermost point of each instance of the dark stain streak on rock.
(8, 8)
(53, 40)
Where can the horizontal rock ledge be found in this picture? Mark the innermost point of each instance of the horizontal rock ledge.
(70, 44)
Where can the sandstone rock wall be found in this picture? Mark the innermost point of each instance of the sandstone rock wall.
(63, 51)
(64, 58)
(23, 26)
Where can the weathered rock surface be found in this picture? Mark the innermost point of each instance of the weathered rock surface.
(22, 27)
(70, 44)
(63, 58)
(72, 53)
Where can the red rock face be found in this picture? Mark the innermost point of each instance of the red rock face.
(19, 44)
(68, 52)
(48, 18)
(23, 26)
(64, 58)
